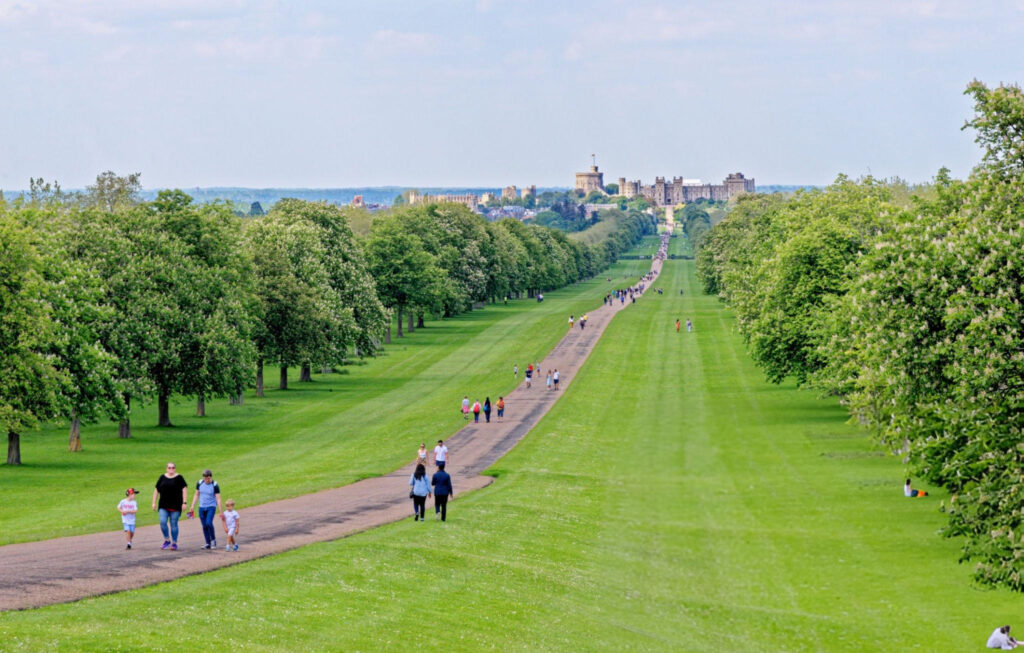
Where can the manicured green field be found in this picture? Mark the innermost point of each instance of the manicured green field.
(338, 429)
(671, 501)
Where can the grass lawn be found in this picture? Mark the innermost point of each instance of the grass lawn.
(342, 427)
(671, 501)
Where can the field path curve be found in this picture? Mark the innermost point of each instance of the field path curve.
(71, 568)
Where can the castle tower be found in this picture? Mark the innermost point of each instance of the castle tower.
(591, 180)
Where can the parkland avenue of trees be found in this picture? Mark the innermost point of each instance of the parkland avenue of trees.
(908, 305)
(107, 301)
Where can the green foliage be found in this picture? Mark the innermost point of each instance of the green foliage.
(791, 534)
(907, 304)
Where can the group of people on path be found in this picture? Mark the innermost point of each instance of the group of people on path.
(476, 408)
(439, 485)
(551, 380)
(169, 489)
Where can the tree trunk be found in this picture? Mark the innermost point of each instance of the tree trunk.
(419, 321)
(164, 409)
(13, 448)
(75, 434)
(284, 378)
(201, 406)
(412, 319)
(306, 375)
(124, 427)
(259, 378)
(399, 332)
(387, 336)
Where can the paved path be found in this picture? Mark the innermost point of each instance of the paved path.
(67, 569)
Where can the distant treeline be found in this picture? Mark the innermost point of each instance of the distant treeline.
(907, 303)
(107, 300)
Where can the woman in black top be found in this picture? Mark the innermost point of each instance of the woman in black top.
(170, 496)
(487, 409)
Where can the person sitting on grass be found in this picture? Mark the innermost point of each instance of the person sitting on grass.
(912, 493)
(1000, 638)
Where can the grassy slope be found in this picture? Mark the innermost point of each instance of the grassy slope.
(340, 428)
(671, 501)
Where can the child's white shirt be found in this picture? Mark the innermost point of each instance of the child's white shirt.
(231, 520)
(128, 518)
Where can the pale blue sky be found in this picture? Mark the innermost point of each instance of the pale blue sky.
(493, 92)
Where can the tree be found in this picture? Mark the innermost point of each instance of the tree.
(406, 274)
(112, 193)
(299, 313)
(29, 381)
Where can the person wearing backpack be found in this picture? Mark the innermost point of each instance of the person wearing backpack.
(208, 496)
(476, 411)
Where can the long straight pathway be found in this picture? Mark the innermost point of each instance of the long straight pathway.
(67, 569)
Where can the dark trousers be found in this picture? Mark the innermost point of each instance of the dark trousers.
(206, 516)
(419, 506)
(441, 505)
(487, 415)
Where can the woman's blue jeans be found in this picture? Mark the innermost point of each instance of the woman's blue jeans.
(206, 516)
(173, 516)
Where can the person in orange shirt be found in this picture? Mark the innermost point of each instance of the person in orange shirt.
(501, 407)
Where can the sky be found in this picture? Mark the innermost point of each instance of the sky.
(490, 93)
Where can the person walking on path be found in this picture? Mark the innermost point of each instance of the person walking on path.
(501, 408)
(172, 492)
(128, 507)
(554, 378)
(677, 326)
(571, 322)
(529, 375)
(442, 484)
(487, 410)
(476, 411)
(515, 372)
(440, 453)
(421, 455)
(420, 491)
(549, 380)
(231, 518)
(465, 407)
(208, 495)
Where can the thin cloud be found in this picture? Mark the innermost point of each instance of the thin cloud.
(389, 42)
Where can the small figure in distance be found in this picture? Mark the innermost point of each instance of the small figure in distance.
(476, 411)
(550, 380)
(529, 375)
(440, 453)
(501, 408)
(689, 326)
(487, 410)
(912, 493)
(419, 493)
(128, 507)
(231, 519)
(421, 455)
(677, 326)
(442, 484)
(571, 322)
(515, 371)
(1000, 639)
(465, 407)
(554, 378)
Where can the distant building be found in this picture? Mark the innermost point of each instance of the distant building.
(486, 198)
(509, 193)
(681, 191)
(357, 202)
(590, 181)
(530, 191)
(468, 200)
